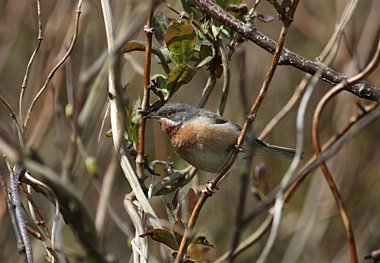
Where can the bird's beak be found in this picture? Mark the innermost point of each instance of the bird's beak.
(152, 115)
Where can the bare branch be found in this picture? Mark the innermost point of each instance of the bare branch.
(360, 89)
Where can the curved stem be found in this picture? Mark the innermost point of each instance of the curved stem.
(250, 118)
(31, 60)
(59, 64)
(317, 146)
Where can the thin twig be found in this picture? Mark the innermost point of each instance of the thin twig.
(117, 111)
(244, 177)
(31, 60)
(137, 222)
(35, 212)
(104, 195)
(59, 64)
(244, 183)
(33, 182)
(41, 224)
(326, 54)
(328, 49)
(140, 159)
(316, 142)
(329, 149)
(13, 115)
(251, 117)
(286, 109)
(279, 200)
(242, 80)
(210, 84)
(226, 78)
(249, 241)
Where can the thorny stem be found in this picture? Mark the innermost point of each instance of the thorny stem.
(317, 146)
(250, 118)
(145, 101)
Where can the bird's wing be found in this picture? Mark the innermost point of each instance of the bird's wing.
(214, 118)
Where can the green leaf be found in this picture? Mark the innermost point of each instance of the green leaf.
(91, 165)
(160, 79)
(178, 76)
(204, 62)
(133, 117)
(205, 54)
(180, 38)
(189, 7)
(161, 89)
(134, 45)
(137, 45)
(108, 133)
(162, 236)
(200, 240)
(224, 3)
(227, 5)
(69, 110)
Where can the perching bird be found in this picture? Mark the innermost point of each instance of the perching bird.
(203, 138)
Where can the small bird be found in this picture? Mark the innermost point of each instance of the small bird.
(205, 139)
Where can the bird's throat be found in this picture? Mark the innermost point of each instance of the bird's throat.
(169, 128)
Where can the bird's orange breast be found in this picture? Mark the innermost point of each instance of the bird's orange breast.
(204, 145)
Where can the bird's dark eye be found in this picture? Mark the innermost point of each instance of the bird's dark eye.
(170, 114)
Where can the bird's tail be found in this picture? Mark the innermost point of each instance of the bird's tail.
(265, 148)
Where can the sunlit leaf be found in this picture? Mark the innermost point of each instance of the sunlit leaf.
(180, 38)
(205, 55)
(200, 240)
(134, 45)
(204, 62)
(109, 133)
(137, 45)
(162, 236)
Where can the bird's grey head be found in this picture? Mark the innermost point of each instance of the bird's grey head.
(176, 113)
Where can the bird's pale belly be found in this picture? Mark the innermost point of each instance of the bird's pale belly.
(205, 146)
(204, 158)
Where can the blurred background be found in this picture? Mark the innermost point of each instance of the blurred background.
(311, 229)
